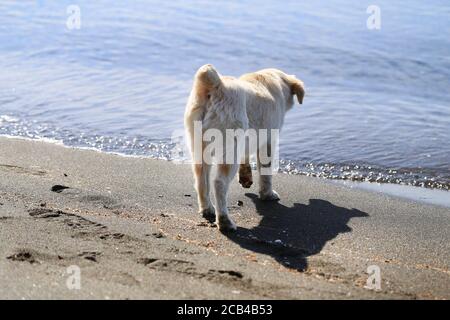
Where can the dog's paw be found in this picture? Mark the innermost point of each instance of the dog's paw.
(245, 183)
(208, 213)
(271, 196)
(225, 224)
(245, 176)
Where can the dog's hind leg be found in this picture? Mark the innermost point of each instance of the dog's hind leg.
(201, 174)
(266, 191)
(225, 174)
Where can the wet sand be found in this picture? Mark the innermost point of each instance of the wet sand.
(131, 226)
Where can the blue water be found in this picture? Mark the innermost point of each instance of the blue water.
(377, 105)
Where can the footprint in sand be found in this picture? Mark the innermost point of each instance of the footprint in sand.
(87, 197)
(22, 170)
(23, 256)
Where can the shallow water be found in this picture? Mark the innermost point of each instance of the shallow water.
(377, 105)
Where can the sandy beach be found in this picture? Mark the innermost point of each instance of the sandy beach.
(131, 226)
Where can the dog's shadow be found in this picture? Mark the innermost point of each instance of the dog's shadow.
(291, 234)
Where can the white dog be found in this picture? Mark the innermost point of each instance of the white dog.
(257, 101)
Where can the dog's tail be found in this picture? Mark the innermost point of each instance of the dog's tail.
(206, 80)
(207, 77)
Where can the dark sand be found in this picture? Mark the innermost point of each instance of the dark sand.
(131, 226)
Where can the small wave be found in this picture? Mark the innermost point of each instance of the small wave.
(6, 118)
(419, 177)
(169, 149)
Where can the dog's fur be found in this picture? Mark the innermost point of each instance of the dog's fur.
(256, 100)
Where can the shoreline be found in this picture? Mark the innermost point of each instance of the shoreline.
(426, 195)
(418, 194)
(130, 225)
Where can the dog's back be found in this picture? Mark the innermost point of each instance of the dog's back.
(270, 96)
(261, 98)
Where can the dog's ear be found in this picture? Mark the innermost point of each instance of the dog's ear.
(297, 88)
